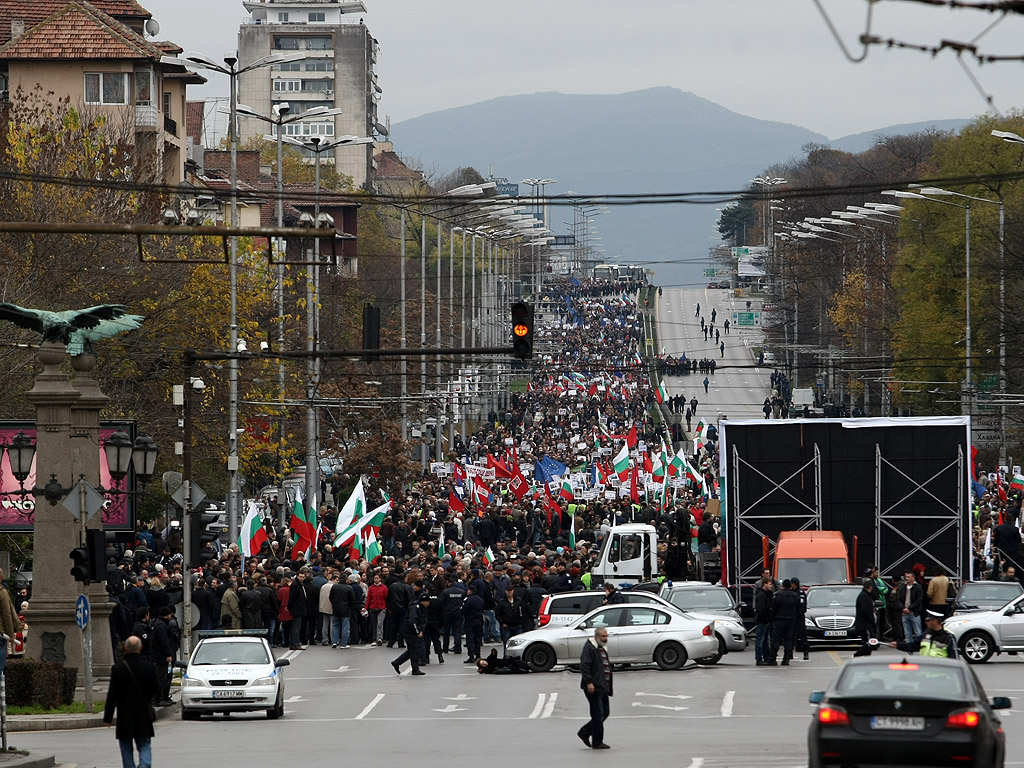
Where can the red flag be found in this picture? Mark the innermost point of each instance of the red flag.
(592, 392)
(631, 439)
(500, 469)
(999, 487)
(602, 472)
(648, 464)
(455, 503)
(459, 473)
(517, 484)
(482, 494)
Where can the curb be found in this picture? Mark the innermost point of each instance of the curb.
(17, 760)
(25, 723)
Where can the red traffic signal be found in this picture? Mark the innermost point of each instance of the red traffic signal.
(522, 330)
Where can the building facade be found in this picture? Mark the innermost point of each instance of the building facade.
(97, 54)
(337, 72)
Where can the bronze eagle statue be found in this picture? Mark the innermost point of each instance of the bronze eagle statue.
(82, 326)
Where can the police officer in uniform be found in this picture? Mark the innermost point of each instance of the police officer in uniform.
(935, 641)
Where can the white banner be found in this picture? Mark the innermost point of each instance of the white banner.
(487, 473)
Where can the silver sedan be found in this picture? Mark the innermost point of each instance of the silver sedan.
(637, 634)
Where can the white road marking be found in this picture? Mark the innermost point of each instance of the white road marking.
(294, 700)
(550, 706)
(727, 702)
(658, 706)
(369, 707)
(460, 697)
(451, 708)
(339, 669)
(664, 695)
(696, 762)
(541, 697)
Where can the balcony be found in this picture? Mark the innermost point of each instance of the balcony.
(170, 126)
(146, 116)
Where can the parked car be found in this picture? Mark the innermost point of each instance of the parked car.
(985, 595)
(831, 609)
(232, 671)
(980, 634)
(566, 607)
(637, 634)
(913, 710)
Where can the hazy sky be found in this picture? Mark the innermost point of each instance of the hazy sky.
(770, 59)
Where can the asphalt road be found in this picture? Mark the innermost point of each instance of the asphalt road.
(349, 704)
(738, 387)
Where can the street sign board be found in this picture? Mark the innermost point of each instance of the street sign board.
(746, 318)
(710, 272)
(512, 190)
(94, 500)
(82, 611)
(198, 494)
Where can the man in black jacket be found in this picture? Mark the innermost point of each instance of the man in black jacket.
(342, 608)
(161, 653)
(596, 682)
(298, 601)
(1007, 542)
(510, 613)
(473, 621)
(864, 617)
(786, 612)
(412, 632)
(763, 596)
(208, 603)
(909, 599)
(451, 605)
(133, 685)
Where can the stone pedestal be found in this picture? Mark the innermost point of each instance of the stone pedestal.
(67, 446)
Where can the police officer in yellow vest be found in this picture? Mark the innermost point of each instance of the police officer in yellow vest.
(934, 642)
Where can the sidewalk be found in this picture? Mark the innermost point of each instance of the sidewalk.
(21, 760)
(21, 723)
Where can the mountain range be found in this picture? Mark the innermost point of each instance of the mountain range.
(648, 141)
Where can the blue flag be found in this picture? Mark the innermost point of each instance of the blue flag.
(546, 469)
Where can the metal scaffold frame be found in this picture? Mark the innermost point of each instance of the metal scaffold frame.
(888, 516)
(746, 521)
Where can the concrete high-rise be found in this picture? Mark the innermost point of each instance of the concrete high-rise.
(338, 71)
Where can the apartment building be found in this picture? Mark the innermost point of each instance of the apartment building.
(337, 71)
(97, 53)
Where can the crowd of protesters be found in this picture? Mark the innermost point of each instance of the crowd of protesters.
(472, 553)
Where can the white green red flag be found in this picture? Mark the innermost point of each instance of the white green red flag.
(572, 533)
(565, 492)
(253, 534)
(371, 548)
(621, 462)
(487, 557)
(353, 510)
(661, 394)
(301, 527)
(372, 520)
(1017, 484)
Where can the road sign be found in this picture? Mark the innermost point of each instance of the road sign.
(94, 500)
(82, 611)
(512, 190)
(746, 318)
(198, 494)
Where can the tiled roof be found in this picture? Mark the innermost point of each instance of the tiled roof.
(79, 30)
(34, 11)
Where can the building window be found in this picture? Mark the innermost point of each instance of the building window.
(282, 43)
(143, 88)
(288, 85)
(316, 85)
(320, 16)
(282, 18)
(288, 66)
(319, 65)
(106, 87)
(167, 104)
(309, 129)
(319, 44)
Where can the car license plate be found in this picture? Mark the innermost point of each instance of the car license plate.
(835, 633)
(891, 723)
(235, 693)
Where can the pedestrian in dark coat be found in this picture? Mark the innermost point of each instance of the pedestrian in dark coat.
(250, 601)
(864, 617)
(763, 619)
(412, 632)
(784, 618)
(133, 685)
(596, 682)
(473, 621)
(298, 607)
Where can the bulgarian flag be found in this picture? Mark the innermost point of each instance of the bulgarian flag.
(371, 547)
(565, 492)
(353, 510)
(676, 465)
(481, 493)
(658, 468)
(1017, 484)
(572, 533)
(253, 534)
(301, 527)
(371, 521)
(661, 394)
(487, 557)
(621, 462)
(440, 543)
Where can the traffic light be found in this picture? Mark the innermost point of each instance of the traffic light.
(89, 560)
(81, 569)
(522, 330)
(206, 527)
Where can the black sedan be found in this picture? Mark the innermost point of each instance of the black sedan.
(831, 609)
(906, 710)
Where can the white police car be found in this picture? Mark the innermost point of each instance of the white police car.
(232, 671)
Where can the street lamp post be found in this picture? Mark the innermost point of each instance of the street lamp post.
(233, 71)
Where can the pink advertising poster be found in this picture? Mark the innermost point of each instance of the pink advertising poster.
(17, 511)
